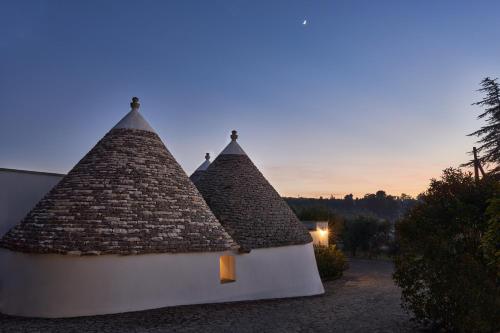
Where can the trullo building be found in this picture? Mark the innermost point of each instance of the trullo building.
(126, 230)
(279, 246)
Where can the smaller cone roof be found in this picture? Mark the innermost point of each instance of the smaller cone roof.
(246, 204)
(201, 169)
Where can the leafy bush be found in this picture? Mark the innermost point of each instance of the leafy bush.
(447, 277)
(490, 243)
(331, 262)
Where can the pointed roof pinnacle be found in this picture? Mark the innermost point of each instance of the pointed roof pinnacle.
(233, 147)
(133, 119)
(203, 165)
(135, 103)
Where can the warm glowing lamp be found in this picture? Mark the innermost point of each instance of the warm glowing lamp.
(323, 236)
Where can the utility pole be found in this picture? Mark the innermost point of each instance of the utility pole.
(477, 166)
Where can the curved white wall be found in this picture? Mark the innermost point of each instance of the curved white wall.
(40, 285)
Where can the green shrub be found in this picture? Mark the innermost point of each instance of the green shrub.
(445, 274)
(331, 262)
(490, 242)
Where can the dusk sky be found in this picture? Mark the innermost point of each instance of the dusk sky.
(367, 95)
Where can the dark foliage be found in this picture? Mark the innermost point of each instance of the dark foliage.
(379, 205)
(331, 262)
(489, 134)
(366, 234)
(490, 243)
(445, 267)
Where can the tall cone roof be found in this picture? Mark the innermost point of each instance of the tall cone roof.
(246, 204)
(128, 195)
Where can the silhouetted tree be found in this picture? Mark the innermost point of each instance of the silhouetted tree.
(349, 201)
(448, 265)
(489, 134)
(366, 234)
(379, 205)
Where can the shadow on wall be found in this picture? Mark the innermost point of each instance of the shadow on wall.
(20, 191)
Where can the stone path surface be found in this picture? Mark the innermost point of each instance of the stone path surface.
(363, 300)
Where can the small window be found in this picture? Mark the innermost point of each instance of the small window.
(227, 269)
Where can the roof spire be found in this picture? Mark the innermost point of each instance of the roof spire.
(202, 167)
(234, 135)
(233, 147)
(134, 119)
(135, 103)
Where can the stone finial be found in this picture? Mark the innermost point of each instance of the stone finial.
(135, 103)
(207, 156)
(234, 135)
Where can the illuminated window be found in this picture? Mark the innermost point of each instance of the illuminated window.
(227, 269)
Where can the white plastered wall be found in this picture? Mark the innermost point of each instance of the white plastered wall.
(51, 285)
(20, 191)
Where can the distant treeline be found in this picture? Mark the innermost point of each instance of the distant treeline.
(378, 205)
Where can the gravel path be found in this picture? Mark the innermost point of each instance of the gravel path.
(364, 300)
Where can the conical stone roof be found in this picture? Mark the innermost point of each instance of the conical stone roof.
(128, 195)
(201, 169)
(246, 204)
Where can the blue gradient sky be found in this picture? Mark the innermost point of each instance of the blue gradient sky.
(369, 95)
